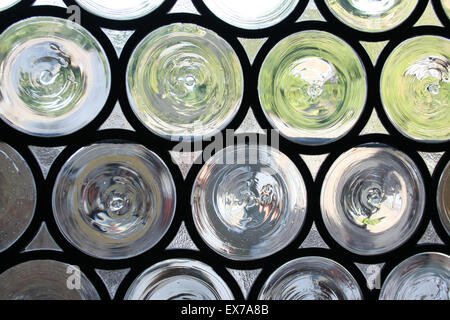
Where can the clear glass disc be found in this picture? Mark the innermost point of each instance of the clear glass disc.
(184, 81)
(17, 196)
(114, 201)
(248, 202)
(372, 199)
(311, 278)
(312, 87)
(424, 276)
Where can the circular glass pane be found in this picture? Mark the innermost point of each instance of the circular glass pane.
(114, 201)
(120, 10)
(45, 280)
(184, 81)
(251, 14)
(248, 202)
(310, 278)
(415, 87)
(17, 196)
(372, 199)
(179, 279)
(425, 276)
(312, 87)
(443, 198)
(372, 15)
(55, 76)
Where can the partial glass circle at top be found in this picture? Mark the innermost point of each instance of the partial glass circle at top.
(17, 196)
(424, 276)
(415, 88)
(372, 15)
(120, 10)
(372, 199)
(251, 14)
(114, 201)
(184, 81)
(6, 4)
(310, 278)
(45, 280)
(248, 202)
(312, 87)
(179, 279)
(55, 76)
(443, 198)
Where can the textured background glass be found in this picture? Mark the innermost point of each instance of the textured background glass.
(310, 278)
(372, 15)
(415, 88)
(312, 87)
(43, 280)
(372, 199)
(425, 276)
(184, 81)
(55, 76)
(120, 10)
(114, 201)
(17, 196)
(179, 279)
(251, 14)
(248, 202)
(443, 198)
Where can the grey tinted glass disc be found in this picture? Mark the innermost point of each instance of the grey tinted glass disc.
(45, 280)
(17, 196)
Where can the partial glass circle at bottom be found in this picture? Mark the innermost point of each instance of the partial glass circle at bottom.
(45, 280)
(248, 202)
(372, 199)
(179, 279)
(114, 200)
(425, 276)
(17, 196)
(311, 278)
(443, 198)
